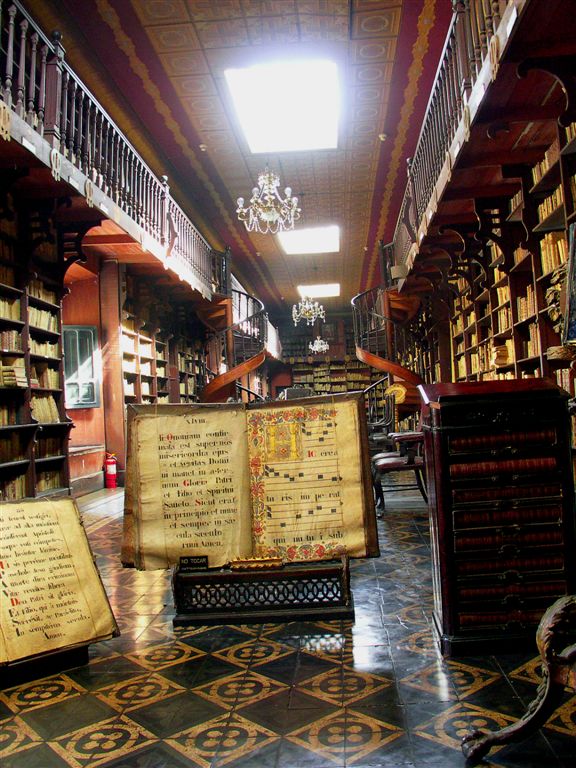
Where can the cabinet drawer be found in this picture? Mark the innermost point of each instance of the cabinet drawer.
(506, 592)
(543, 560)
(503, 619)
(501, 443)
(506, 539)
(507, 512)
(523, 488)
(498, 470)
(503, 415)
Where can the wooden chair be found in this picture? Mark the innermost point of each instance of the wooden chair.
(408, 458)
(555, 641)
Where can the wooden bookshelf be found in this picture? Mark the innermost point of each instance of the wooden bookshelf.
(328, 376)
(145, 360)
(34, 428)
(189, 362)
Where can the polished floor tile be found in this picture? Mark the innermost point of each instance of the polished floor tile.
(370, 693)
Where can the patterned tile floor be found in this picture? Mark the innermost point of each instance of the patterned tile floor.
(316, 694)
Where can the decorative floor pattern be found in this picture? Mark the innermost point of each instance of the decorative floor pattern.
(316, 694)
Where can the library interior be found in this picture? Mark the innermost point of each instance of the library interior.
(287, 383)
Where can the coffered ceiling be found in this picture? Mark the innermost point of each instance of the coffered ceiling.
(157, 67)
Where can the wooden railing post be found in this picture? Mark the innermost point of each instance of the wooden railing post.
(52, 111)
(42, 89)
(411, 219)
(9, 72)
(20, 106)
(164, 209)
(462, 48)
(31, 103)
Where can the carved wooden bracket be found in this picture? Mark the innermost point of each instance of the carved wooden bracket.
(495, 225)
(70, 236)
(464, 251)
(563, 68)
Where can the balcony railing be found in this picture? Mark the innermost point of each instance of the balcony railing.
(40, 88)
(380, 334)
(468, 45)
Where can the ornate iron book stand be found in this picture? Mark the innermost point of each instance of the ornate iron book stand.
(556, 628)
(289, 593)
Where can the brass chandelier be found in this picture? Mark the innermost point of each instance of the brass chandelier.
(267, 212)
(308, 310)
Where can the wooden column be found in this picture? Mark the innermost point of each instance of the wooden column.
(112, 386)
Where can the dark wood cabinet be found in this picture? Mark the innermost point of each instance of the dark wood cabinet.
(501, 502)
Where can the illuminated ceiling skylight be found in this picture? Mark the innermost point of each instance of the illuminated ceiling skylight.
(287, 106)
(311, 240)
(319, 291)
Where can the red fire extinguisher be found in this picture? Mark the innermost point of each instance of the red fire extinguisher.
(110, 470)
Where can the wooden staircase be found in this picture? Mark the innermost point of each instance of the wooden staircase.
(238, 325)
(385, 335)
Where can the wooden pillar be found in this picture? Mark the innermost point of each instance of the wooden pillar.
(112, 382)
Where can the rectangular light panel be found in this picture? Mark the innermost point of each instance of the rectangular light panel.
(287, 106)
(311, 240)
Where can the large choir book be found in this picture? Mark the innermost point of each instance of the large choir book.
(52, 598)
(287, 480)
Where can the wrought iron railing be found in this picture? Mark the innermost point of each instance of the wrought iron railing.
(379, 405)
(40, 88)
(376, 332)
(250, 395)
(467, 46)
(249, 331)
(238, 349)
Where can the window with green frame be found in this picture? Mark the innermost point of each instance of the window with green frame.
(82, 382)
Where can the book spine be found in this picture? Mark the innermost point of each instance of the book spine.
(516, 466)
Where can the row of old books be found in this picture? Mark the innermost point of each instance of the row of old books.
(526, 305)
(15, 488)
(13, 374)
(550, 203)
(48, 480)
(550, 157)
(9, 415)
(531, 346)
(45, 377)
(11, 448)
(11, 340)
(41, 318)
(10, 308)
(503, 319)
(480, 360)
(502, 294)
(44, 349)
(48, 446)
(520, 254)
(565, 379)
(458, 325)
(516, 201)
(502, 354)
(7, 276)
(37, 289)
(553, 251)
(44, 409)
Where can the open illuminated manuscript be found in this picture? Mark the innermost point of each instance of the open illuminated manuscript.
(52, 598)
(266, 480)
